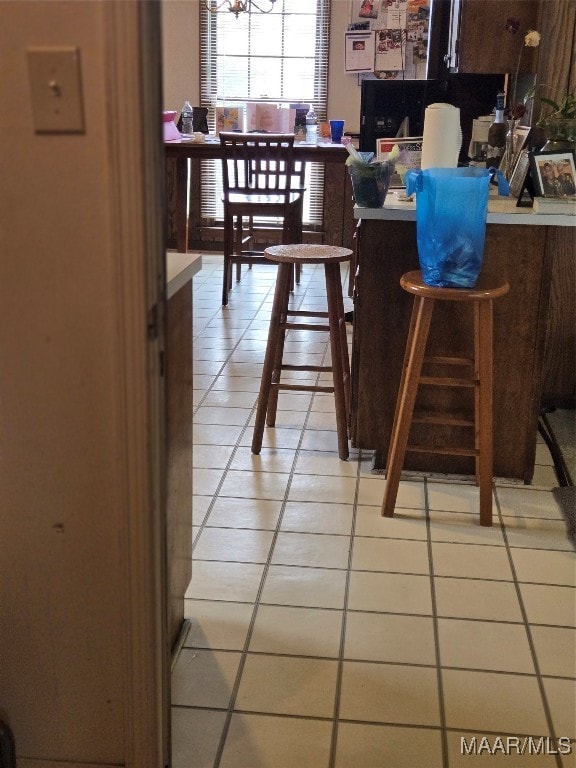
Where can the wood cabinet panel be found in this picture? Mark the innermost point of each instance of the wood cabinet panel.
(382, 309)
(484, 45)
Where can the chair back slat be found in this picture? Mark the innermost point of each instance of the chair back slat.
(260, 162)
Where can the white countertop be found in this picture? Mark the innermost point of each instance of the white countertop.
(180, 268)
(501, 210)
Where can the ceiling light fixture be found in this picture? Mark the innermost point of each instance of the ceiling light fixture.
(236, 6)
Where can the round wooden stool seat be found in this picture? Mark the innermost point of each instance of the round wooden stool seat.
(283, 319)
(307, 253)
(479, 379)
(487, 287)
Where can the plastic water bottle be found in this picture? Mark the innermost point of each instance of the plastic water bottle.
(311, 126)
(186, 116)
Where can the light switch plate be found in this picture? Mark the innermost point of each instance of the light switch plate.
(56, 89)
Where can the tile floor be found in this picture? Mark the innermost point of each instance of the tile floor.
(323, 636)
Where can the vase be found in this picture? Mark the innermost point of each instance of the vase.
(510, 149)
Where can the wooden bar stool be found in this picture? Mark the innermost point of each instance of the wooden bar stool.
(287, 257)
(486, 290)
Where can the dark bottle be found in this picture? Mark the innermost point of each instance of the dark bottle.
(496, 135)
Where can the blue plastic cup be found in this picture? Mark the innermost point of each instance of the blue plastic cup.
(336, 131)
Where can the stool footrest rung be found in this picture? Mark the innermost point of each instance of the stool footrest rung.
(312, 368)
(446, 419)
(447, 381)
(450, 451)
(305, 313)
(305, 327)
(300, 387)
(439, 359)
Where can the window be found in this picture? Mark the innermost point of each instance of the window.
(281, 57)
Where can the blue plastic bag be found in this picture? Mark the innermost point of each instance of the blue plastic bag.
(451, 208)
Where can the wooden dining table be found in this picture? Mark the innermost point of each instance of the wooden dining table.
(184, 150)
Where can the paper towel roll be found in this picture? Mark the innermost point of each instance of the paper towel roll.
(442, 136)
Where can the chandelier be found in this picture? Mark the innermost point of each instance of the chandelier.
(236, 6)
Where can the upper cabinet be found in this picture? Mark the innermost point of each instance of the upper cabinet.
(479, 40)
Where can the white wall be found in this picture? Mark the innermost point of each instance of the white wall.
(181, 56)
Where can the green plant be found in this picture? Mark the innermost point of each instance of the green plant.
(562, 109)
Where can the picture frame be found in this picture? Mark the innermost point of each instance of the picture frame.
(520, 177)
(554, 173)
(410, 148)
(521, 135)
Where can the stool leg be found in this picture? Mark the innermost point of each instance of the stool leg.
(483, 333)
(336, 323)
(228, 248)
(286, 275)
(419, 328)
(275, 336)
(344, 349)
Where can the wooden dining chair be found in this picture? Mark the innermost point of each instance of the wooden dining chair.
(261, 180)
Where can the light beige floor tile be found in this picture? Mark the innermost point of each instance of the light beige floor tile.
(396, 555)
(228, 512)
(200, 506)
(471, 561)
(212, 580)
(242, 545)
(453, 497)
(217, 624)
(376, 746)
(463, 528)
(284, 420)
(296, 631)
(406, 523)
(274, 437)
(555, 650)
(204, 678)
(221, 415)
(195, 737)
(314, 550)
(322, 488)
(206, 481)
(390, 637)
(324, 463)
(237, 384)
(390, 592)
(544, 476)
(313, 587)
(207, 367)
(537, 533)
(211, 457)
(227, 399)
(389, 693)
(534, 565)
(254, 485)
(467, 748)
(317, 517)
(546, 604)
(319, 440)
(486, 645)
(288, 685)
(321, 420)
(493, 702)
(527, 502)
(477, 599)
(410, 494)
(271, 460)
(214, 434)
(258, 741)
(561, 695)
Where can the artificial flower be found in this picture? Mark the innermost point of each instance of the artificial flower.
(531, 40)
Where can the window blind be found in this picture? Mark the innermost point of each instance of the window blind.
(279, 57)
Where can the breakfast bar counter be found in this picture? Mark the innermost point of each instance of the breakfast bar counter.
(521, 246)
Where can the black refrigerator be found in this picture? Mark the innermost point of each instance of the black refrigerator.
(386, 103)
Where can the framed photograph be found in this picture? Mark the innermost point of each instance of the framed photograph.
(521, 134)
(519, 174)
(410, 156)
(554, 173)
